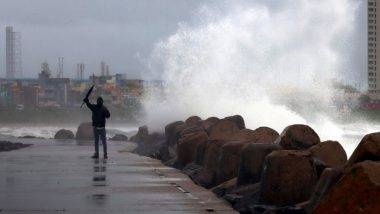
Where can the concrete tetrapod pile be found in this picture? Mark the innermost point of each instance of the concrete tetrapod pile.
(262, 171)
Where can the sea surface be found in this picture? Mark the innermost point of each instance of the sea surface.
(349, 135)
(45, 133)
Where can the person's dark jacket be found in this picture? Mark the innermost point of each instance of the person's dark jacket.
(99, 114)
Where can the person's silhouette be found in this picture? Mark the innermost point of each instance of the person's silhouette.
(99, 115)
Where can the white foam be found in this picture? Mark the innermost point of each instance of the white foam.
(252, 60)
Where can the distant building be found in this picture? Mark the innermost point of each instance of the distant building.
(80, 71)
(373, 49)
(5, 94)
(31, 96)
(54, 90)
(13, 53)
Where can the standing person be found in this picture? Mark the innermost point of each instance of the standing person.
(99, 115)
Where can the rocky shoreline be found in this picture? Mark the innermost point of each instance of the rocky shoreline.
(6, 146)
(262, 171)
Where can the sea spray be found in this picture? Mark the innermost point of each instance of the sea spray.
(254, 59)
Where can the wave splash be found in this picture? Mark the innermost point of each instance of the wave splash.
(254, 59)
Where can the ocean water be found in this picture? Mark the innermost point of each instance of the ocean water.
(43, 131)
(349, 135)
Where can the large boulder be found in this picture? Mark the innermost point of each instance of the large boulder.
(200, 175)
(368, 149)
(188, 130)
(265, 135)
(150, 145)
(298, 137)
(243, 197)
(238, 120)
(211, 157)
(141, 134)
(168, 150)
(228, 163)
(288, 178)
(223, 130)
(208, 123)
(85, 132)
(64, 134)
(212, 152)
(193, 121)
(357, 191)
(259, 135)
(188, 147)
(172, 132)
(119, 137)
(224, 187)
(328, 179)
(252, 160)
(9, 146)
(330, 152)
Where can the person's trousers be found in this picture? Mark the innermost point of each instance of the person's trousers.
(100, 132)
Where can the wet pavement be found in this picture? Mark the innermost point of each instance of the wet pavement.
(61, 178)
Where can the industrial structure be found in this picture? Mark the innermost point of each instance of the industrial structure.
(80, 71)
(13, 53)
(373, 49)
(60, 67)
(105, 69)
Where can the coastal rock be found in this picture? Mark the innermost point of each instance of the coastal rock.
(357, 191)
(223, 130)
(265, 135)
(244, 135)
(188, 130)
(259, 135)
(172, 132)
(193, 121)
(200, 175)
(208, 123)
(298, 137)
(228, 163)
(248, 195)
(224, 187)
(64, 134)
(6, 146)
(368, 149)
(119, 137)
(238, 120)
(168, 150)
(163, 152)
(211, 157)
(150, 145)
(28, 137)
(328, 179)
(85, 132)
(289, 177)
(265, 209)
(188, 146)
(252, 160)
(141, 135)
(330, 152)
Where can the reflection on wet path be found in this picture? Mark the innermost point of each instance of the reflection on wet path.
(99, 180)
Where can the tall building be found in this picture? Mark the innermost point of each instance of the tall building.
(13, 53)
(80, 71)
(373, 49)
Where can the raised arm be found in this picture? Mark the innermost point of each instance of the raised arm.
(89, 105)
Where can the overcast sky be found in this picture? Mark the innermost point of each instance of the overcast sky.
(120, 32)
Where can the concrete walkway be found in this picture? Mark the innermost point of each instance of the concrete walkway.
(60, 177)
